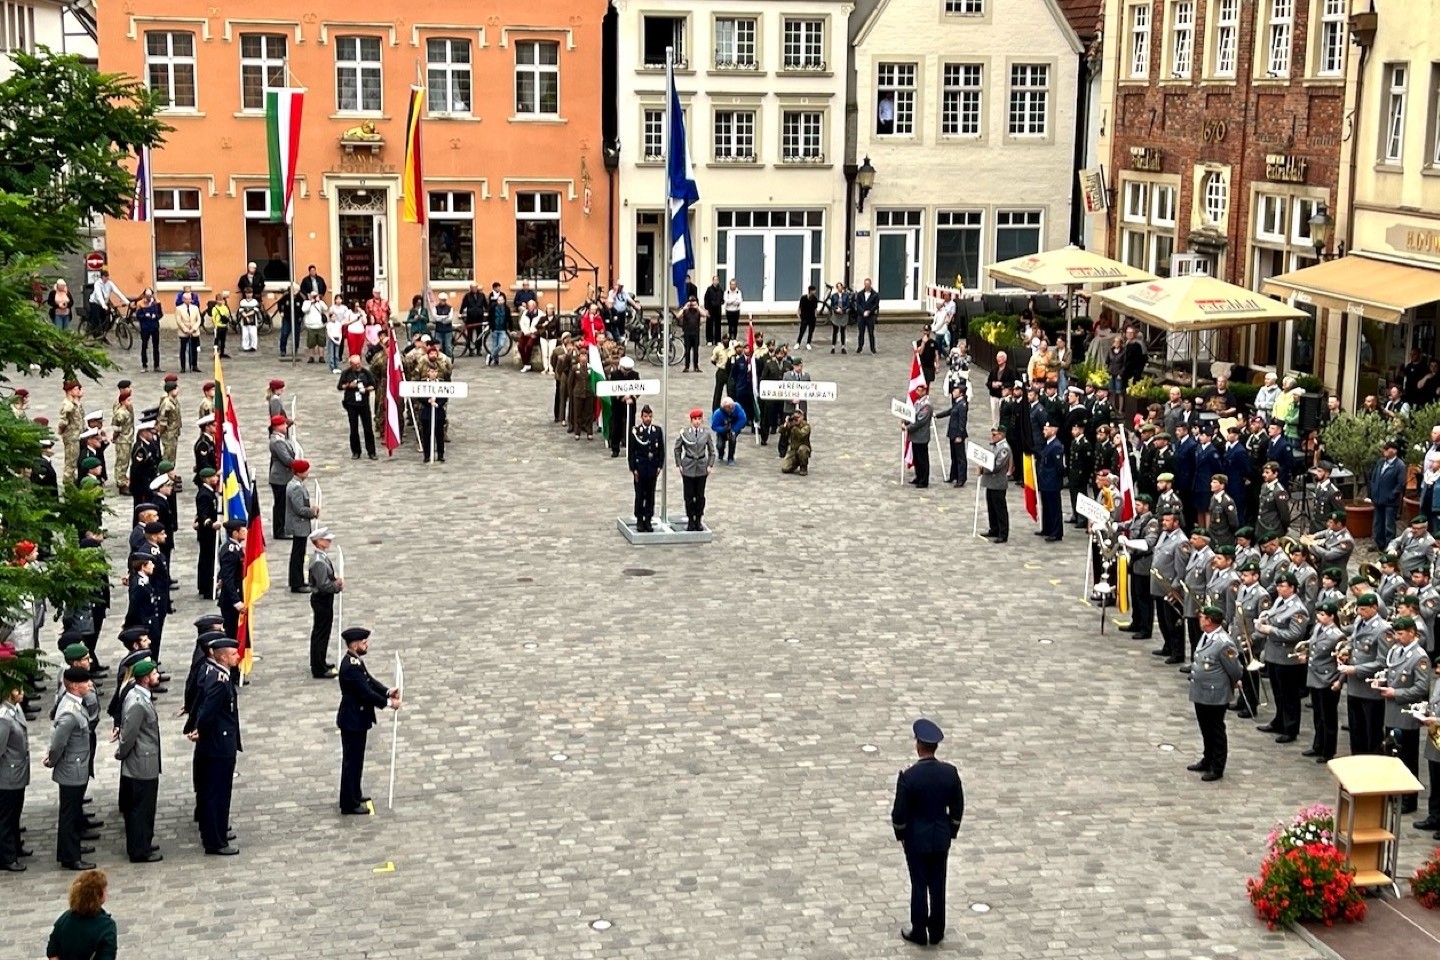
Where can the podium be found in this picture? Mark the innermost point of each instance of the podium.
(1367, 815)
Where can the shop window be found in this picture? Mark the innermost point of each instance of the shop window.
(452, 235)
(537, 235)
(179, 240)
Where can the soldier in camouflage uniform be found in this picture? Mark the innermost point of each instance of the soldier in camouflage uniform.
(72, 424)
(122, 430)
(167, 425)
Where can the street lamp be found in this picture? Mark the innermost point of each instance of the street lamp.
(865, 180)
(1322, 230)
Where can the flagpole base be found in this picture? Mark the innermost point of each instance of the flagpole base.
(666, 532)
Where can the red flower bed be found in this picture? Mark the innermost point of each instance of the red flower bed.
(1310, 882)
(1425, 885)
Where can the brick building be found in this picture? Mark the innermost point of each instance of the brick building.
(1222, 122)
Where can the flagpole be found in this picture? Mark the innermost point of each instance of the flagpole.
(339, 600)
(150, 213)
(754, 382)
(665, 287)
(422, 208)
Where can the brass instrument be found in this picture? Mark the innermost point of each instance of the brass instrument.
(1342, 650)
(1247, 639)
(1172, 592)
(1372, 573)
(1288, 544)
(1302, 649)
(1345, 616)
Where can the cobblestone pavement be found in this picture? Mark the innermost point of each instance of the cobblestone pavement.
(672, 739)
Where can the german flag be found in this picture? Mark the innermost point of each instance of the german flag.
(413, 184)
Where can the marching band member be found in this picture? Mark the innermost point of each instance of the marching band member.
(1141, 536)
(1218, 591)
(1414, 546)
(1365, 710)
(1307, 580)
(1285, 624)
(1245, 549)
(1336, 545)
(1429, 598)
(1251, 600)
(1172, 555)
(1325, 496)
(1222, 516)
(1323, 679)
(1332, 588)
(1391, 583)
(1196, 579)
(1405, 680)
(1214, 671)
(1272, 561)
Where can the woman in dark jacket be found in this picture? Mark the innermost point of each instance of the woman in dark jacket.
(85, 931)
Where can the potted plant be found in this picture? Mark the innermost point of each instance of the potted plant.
(1303, 876)
(1425, 884)
(1354, 443)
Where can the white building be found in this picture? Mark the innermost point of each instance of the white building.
(27, 25)
(762, 84)
(966, 110)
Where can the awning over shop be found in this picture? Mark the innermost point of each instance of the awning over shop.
(1196, 302)
(1066, 267)
(1365, 286)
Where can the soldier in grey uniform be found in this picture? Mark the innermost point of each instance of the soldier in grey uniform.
(1223, 515)
(1141, 535)
(1172, 555)
(299, 515)
(1364, 708)
(76, 654)
(1214, 671)
(1323, 680)
(1272, 516)
(1325, 498)
(1166, 499)
(1307, 580)
(1337, 545)
(1414, 547)
(1285, 624)
(1429, 604)
(139, 756)
(1272, 562)
(1332, 586)
(1405, 680)
(69, 761)
(695, 458)
(1251, 600)
(1221, 590)
(14, 777)
(1432, 753)
(993, 482)
(282, 455)
(1196, 580)
(1245, 549)
(1391, 583)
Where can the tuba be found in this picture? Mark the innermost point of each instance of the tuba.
(1302, 649)
(1288, 544)
(1372, 573)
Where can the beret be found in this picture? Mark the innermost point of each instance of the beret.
(1357, 580)
(927, 731)
(1327, 606)
(1403, 623)
(171, 386)
(89, 463)
(1334, 573)
(1288, 577)
(1271, 465)
(697, 412)
(1419, 521)
(1409, 600)
(1297, 547)
(1214, 613)
(172, 377)
(206, 473)
(299, 466)
(42, 421)
(1146, 499)
(1247, 532)
(71, 384)
(999, 428)
(1368, 600)
(89, 482)
(143, 669)
(277, 384)
(1337, 515)
(77, 675)
(1250, 566)
(1200, 532)
(1225, 550)
(1166, 477)
(1386, 558)
(354, 634)
(208, 385)
(76, 651)
(165, 466)
(21, 392)
(122, 385)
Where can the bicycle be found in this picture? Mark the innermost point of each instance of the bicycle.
(646, 339)
(476, 340)
(825, 311)
(123, 325)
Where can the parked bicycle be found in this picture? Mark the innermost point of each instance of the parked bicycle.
(646, 341)
(475, 338)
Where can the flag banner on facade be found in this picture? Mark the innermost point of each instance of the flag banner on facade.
(282, 133)
(238, 502)
(394, 374)
(140, 202)
(683, 192)
(602, 404)
(413, 182)
(917, 380)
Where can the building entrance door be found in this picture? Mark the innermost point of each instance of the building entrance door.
(364, 254)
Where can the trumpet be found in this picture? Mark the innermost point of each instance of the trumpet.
(1302, 649)
(1372, 573)
(1422, 713)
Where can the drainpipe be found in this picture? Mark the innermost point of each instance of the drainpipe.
(849, 171)
(1082, 132)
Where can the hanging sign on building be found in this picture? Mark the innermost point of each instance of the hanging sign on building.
(1092, 189)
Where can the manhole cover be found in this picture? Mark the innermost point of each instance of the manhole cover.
(600, 924)
(638, 572)
(980, 907)
(868, 748)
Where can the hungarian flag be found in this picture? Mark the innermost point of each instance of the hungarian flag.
(238, 502)
(1032, 495)
(282, 134)
(917, 380)
(412, 184)
(394, 374)
(1127, 479)
(602, 404)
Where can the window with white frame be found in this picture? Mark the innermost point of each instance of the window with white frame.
(1182, 38)
(1139, 40)
(452, 235)
(1332, 38)
(357, 75)
(1215, 198)
(967, 8)
(170, 67)
(652, 134)
(1302, 209)
(960, 95)
(1392, 145)
(1227, 36)
(1279, 25)
(17, 31)
(537, 78)
(895, 99)
(663, 31)
(447, 75)
(1147, 237)
(1029, 100)
(1271, 217)
(735, 43)
(802, 137)
(735, 136)
(1136, 206)
(179, 241)
(262, 67)
(267, 242)
(1017, 233)
(959, 238)
(804, 44)
(537, 235)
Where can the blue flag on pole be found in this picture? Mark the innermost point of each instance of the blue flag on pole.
(682, 192)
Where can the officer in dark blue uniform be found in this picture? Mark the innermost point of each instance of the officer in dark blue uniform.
(929, 804)
(217, 742)
(201, 666)
(647, 459)
(360, 695)
(232, 577)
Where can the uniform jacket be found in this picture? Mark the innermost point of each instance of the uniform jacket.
(232, 575)
(1146, 527)
(1222, 589)
(1050, 469)
(1273, 513)
(1170, 560)
(144, 609)
(14, 748)
(207, 511)
(1279, 451)
(217, 715)
(1368, 651)
(997, 479)
(322, 574)
(929, 805)
(1413, 552)
(1224, 519)
(360, 695)
(1184, 471)
(282, 454)
(1321, 670)
(1214, 669)
(958, 417)
(1432, 753)
(139, 747)
(695, 451)
(1290, 621)
(1237, 471)
(790, 406)
(1326, 500)
(919, 429)
(69, 752)
(646, 450)
(204, 450)
(1208, 462)
(298, 512)
(1336, 548)
(1197, 579)
(1407, 671)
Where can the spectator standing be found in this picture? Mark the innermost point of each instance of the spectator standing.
(61, 305)
(336, 319)
(313, 315)
(734, 301)
(187, 323)
(220, 317)
(867, 311)
(85, 931)
(313, 283)
(445, 325)
(689, 317)
(842, 313)
(249, 317)
(808, 308)
(148, 314)
(714, 304)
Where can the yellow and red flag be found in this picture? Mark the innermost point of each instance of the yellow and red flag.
(413, 184)
(1032, 495)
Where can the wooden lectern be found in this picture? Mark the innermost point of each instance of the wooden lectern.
(1367, 815)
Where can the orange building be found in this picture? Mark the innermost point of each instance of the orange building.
(514, 174)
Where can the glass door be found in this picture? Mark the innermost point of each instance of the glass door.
(792, 269)
(747, 256)
(895, 270)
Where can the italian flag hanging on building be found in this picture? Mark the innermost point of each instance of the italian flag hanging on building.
(282, 130)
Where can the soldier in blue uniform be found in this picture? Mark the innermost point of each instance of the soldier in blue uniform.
(216, 736)
(360, 695)
(929, 805)
(646, 454)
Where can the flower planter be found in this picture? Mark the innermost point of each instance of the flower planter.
(1410, 507)
(1360, 518)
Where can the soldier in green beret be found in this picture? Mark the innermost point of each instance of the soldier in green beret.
(1251, 600)
(1323, 680)
(1404, 680)
(1285, 625)
(1214, 671)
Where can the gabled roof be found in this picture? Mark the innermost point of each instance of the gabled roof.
(1085, 16)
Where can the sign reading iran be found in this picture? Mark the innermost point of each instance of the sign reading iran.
(798, 390)
(447, 389)
(627, 388)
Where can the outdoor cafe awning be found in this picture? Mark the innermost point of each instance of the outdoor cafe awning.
(1365, 286)
(1066, 267)
(1196, 302)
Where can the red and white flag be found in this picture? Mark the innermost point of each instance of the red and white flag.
(393, 375)
(1127, 479)
(917, 380)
